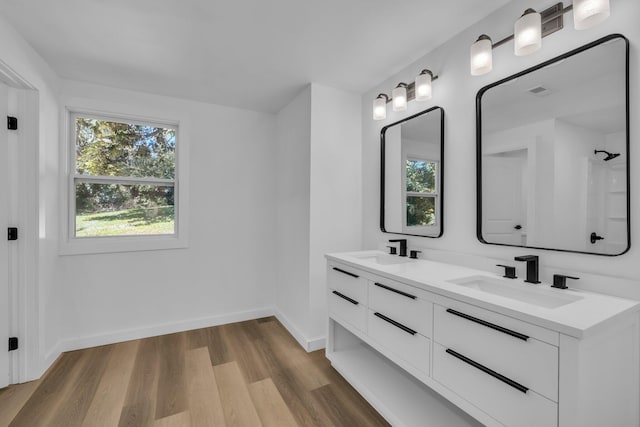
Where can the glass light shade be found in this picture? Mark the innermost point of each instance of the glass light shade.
(587, 13)
(399, 98)
(380, 108)
(481, 60)
(527, 33)
(423, 86)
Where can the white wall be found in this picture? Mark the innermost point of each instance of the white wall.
(455, 91)
(292, 202)
(336, 189)
(227, 272)
(319, 202)
(574, 146)
(394, 206)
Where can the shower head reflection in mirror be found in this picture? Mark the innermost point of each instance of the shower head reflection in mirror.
(610, 156)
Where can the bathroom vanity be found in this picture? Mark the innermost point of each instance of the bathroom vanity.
(416, 336)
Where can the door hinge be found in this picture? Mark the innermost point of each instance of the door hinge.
(12, 123)
(12, 233)
(13, 343)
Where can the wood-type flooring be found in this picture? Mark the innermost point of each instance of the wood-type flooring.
(246, 374)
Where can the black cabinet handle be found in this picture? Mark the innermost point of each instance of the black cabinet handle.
(396, 324)
(351, 300)
(346, 272)
(491, 372)
(389, 288)
(514, 334)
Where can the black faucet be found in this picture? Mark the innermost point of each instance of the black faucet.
(560, 281)
(532, 267)
(403, 246)
(509, 271)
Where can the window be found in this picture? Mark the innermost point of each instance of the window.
(421, 192)
(123, 178)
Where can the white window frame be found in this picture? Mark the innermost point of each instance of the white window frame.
(70, 244)
(405, 194)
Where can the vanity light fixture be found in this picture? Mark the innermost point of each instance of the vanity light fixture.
(420, 90)
(481, 56)
(587, 13)
(527, 33)
(380, 107)
(531, 27)
(399, 97)
(423, 85)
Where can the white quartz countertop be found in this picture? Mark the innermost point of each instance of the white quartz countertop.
(588, 314)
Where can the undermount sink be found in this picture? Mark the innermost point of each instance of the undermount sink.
(385, 259)
(530, 294)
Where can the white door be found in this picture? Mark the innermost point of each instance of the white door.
(502, 205)
(4, 243)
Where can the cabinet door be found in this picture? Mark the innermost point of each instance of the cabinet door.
(347, 310)
(499, 345)
(503, 401)
(398, 302)
(347, 296)
(348, 281)
(401, 341)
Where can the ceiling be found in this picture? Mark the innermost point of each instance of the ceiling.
(252, 54)
(587, 89)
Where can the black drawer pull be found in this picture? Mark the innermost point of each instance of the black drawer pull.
(491, 372)
(404, 294)
(345, 272)
(396, 324)
(514, 334)
(351, 300)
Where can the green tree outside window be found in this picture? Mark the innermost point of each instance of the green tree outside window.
(421, 189)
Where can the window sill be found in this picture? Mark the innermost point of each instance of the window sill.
(102, 245)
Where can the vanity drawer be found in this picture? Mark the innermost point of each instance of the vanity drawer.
(348, 281)
(398, 302)
(347, 309)
(499, 345)
(504, 402)
(400, 340)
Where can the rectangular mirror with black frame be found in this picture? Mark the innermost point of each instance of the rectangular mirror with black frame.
(553, 153)
(412, 170)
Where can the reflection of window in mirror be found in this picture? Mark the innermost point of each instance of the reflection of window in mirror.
(411, 175)
(421, 192)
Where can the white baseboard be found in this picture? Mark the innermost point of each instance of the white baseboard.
(149, 331)
(169, 328)
(316, 343)
(306, 343)
(49, 360)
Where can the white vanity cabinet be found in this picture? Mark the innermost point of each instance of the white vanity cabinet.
(413, 350)
(506, 367)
